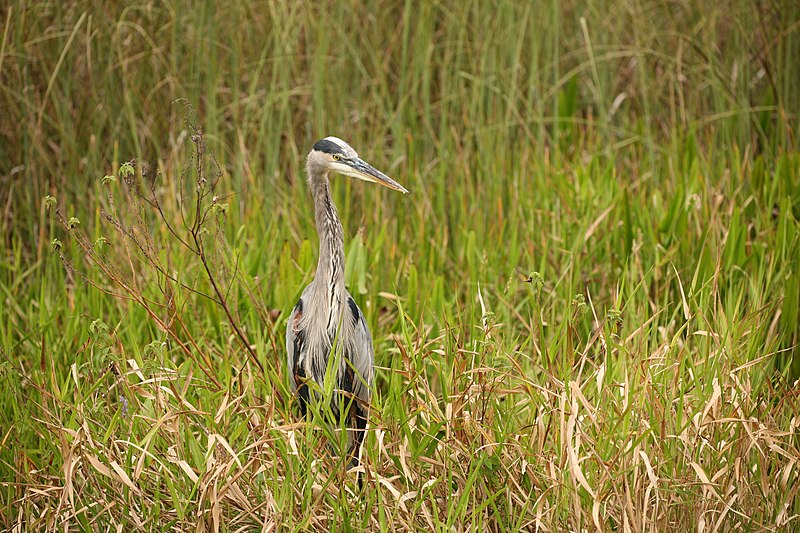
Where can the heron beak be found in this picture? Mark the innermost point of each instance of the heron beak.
(358, 168)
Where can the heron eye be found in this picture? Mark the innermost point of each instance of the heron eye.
(336, 157)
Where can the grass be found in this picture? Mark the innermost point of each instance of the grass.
(585, 313)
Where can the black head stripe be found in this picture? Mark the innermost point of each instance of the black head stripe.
(329, 147)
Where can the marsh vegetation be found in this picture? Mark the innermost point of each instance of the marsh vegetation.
(585, 313)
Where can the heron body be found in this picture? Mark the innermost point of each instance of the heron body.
(327, 322)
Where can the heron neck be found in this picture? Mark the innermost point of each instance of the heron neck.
(330, 269)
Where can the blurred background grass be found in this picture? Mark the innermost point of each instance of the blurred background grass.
(639, 157)
(86, 82)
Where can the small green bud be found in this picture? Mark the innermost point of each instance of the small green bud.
(126, 169)
(535, 279)
(98, 326)
(580, 308)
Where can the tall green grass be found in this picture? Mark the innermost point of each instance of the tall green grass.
(585, 314)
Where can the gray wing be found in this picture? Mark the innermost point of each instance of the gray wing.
(358, 376)
(294, 342)
(361, 357)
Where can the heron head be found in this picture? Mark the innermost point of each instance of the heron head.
(332, 154)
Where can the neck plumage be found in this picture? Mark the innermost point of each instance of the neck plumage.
(330, 268)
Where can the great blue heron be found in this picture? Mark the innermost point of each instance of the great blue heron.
(326, 322)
